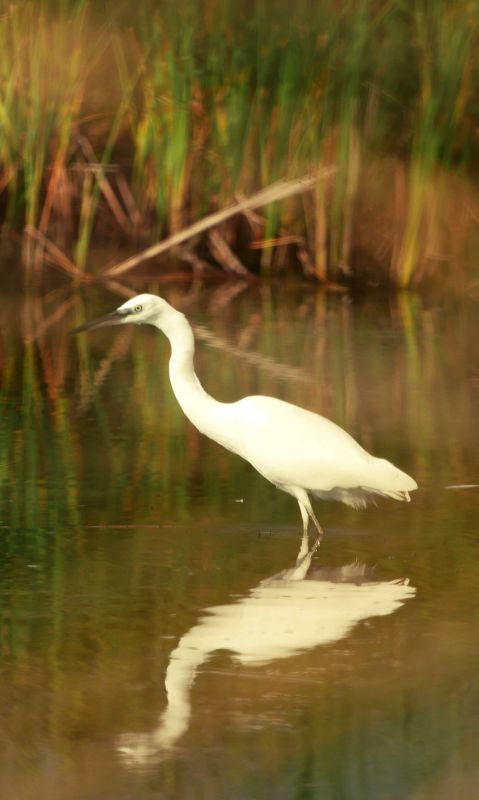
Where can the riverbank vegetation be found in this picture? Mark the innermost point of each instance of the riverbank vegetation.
(126, 123)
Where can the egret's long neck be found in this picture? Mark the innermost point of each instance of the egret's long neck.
(206, 413)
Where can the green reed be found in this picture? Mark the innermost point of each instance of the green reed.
(447, 49)
(199, 104)
(40, 99)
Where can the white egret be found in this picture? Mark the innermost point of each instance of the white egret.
(300, 452)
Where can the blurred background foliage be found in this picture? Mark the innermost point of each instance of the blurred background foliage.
(123, 122)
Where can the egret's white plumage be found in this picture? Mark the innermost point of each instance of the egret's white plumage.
(300, 452)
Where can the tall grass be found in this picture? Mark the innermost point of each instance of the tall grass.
(41, 92)
(186, 107)
(447, 49)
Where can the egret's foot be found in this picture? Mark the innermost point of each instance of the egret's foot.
(316, 544)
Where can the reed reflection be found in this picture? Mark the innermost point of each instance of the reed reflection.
(285, 615)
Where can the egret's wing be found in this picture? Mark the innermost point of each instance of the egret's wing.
(290, 445)
(295, 447)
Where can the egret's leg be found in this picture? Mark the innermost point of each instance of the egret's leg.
(303, 550)
(319, 529)
(303, 561)
(305, 506)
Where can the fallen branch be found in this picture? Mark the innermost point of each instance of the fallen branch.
(58, 258)
(98, 170)
(223, 253)
(279, 241)
(198, 265)
(277, 191)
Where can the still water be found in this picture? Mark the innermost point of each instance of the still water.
(150, 644)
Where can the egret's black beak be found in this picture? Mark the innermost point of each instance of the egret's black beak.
(114, 318)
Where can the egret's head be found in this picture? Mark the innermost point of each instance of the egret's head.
(143, 309)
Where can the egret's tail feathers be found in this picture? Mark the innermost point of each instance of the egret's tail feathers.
(356, 497)
(384, 480)
(400, 495)
(389, 481)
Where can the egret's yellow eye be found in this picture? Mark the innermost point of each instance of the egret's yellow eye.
(137, 308)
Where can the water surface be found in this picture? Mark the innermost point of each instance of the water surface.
(131, 549)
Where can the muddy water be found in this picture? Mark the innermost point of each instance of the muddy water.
(134, 552)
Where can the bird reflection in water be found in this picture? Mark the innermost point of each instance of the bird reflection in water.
(278, 619)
